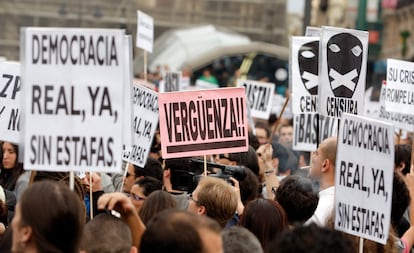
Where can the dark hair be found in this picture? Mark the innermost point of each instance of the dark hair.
(280, 152)
(106, 234)
(152, 168)
(149, 185)
(400, 199)
(297, 197)
(248, 159)
(263, 126)
(8, 177)
(56, 228)
(155, 203)
(253, 141)
(172, 231)
(249, 187)
(403, 155)
(310, 239)
(265, 218)
(238, 239)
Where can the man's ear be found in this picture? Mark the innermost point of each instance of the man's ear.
(325, 165)
(401, 167)
(201, 210)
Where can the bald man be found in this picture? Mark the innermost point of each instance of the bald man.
(323, 170)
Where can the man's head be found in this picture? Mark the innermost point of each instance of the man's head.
(106, 234)
(286, 135)
(181, 232)
(152, 168)
(215, 198)
(238, 239)
(262, 133)
(323, 163)
(297, 197)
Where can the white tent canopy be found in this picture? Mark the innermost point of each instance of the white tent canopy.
(197, 46)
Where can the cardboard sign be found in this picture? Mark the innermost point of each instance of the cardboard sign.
(342, 71)
(260, 97)
(145, 31)
(145, 113)
(73, 98)
(10, 108)
(304, 74)
(399, 120)
(205, 122)
(363, 187)
(312, 31)
(399, 96)
(305, 129)
(171, 82)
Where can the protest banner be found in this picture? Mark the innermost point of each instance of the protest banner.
(312, 31)
(304, 74)
(399, 120)
(73, 101)
(145, 121)
(171, 82)
(204, 122)
(10, 108)
(127, 101)
(305, 130)
(259, 95)
(342, 71)
(399, 95)
(145, 31)
(363, 187)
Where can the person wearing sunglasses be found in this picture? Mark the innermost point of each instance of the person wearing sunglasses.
(142, 189)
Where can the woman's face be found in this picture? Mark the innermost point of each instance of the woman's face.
(9, 155)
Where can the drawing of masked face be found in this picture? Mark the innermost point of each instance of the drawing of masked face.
(344, 57)
(308, 66)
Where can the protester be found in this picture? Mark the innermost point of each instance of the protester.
(323, 170)
(214, 198)
(262, 133)
(152, 168)
(106, 234)
(297, 197)
(156, 202)
(11, 169)
(142, 189)
(265, 218)
(310, 239)
(39, 226)
(238, 239)
(178, 231)
(402, 158)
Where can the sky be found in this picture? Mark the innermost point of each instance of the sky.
(295, 6)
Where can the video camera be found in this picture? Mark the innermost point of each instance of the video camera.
(187, 180)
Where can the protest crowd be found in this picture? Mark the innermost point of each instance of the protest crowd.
(222, 173)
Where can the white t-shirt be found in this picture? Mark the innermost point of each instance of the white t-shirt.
(325, 207)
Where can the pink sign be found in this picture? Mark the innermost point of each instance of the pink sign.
(203, 122)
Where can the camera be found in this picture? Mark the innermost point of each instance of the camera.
(187, 180)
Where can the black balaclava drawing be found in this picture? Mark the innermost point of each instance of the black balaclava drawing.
(308, 56)
(344, 56)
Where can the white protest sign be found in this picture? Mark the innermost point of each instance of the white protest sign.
(127, 101)
(203, 122)
(364, 177)
(312, 31)
(171, 82)
(342, 71)
(399, 95)
(10, 107)
(260, 97)
(305, 129)
(145, 31)
(73, 81)
(304, 74)
(145, 110)
(400, 120)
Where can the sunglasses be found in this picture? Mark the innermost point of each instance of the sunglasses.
(135, 197)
